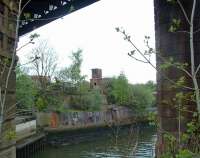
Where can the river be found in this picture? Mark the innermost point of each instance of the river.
(129, 142)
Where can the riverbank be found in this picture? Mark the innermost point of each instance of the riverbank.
(58, 139)
(76, 136)
(77, 127)
(131, 141)
(92, 126)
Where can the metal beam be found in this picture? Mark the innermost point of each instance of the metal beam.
(43, 12)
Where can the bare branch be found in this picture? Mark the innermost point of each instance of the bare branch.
(174, 65)
(45, 66)
(4, 68)
(164, 60)
(137, 59)
(1, 100)
(197, 70)
(182, 31)
(24, 7)
(197, 30)
(11, 107)
(36, 58)
(184, 12)
(187, 72)
(30, 42)
(126, 37)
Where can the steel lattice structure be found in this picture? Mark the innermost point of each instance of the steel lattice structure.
(40, 12)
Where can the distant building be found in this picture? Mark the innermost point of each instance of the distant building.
(96, 80)
(38, 80)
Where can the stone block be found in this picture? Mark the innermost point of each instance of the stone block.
(11, 82)
(9, 117)
(8, 153)
(169, 124)
(10, 105)
(167, 111)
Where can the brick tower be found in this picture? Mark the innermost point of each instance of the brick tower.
(96, 80)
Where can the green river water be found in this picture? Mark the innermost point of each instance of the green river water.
(118, 143)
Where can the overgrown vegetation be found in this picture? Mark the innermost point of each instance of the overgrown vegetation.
(70, 90)
(138, 97)
(25, 89)
(41, 93)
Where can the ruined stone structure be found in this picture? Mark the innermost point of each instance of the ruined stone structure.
(41, 81)
(175, 45)
(73, 120)
(96, 80)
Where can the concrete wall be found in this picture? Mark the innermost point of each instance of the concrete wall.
(120, 115)
(26, 129)
(43, 119)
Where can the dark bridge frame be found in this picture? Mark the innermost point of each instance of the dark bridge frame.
(41, 12)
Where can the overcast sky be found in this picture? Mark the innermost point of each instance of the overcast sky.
(92, 29)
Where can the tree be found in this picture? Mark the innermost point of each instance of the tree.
(73, 83)
(50, 100)
(89, 101)
(95, 100)
(71, 77)
(121, 90)
(151, 85)
(25, 90)
(45, 66)
(82, 97)
(135, 96)
(142, 97)
(75, 68)
(72, 74)
(108, 87)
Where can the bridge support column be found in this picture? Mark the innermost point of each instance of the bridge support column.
(8, 9)
(175, 45)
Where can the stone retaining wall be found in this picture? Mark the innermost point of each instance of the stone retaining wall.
(120, 115)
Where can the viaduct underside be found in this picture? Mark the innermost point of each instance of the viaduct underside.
(38, 13)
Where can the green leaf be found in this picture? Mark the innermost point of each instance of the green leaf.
(184, 154)
(27, 16)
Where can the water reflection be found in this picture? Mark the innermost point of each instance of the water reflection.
(121, 143)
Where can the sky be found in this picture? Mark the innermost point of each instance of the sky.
(92, 29)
